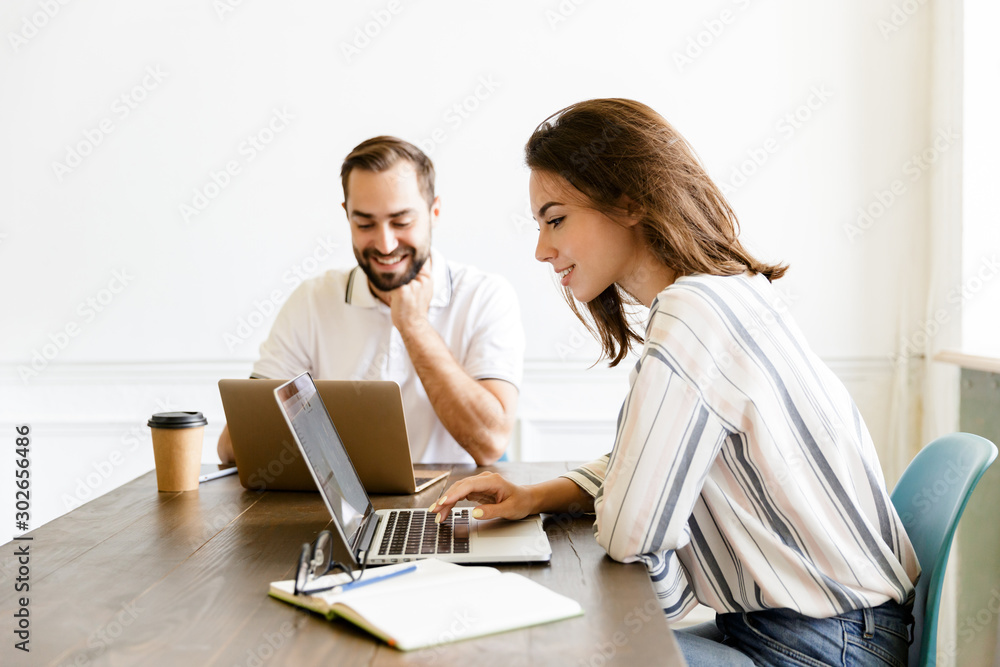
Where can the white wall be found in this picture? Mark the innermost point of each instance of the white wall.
(979, 289)
(806, 111)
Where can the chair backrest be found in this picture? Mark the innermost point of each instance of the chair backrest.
(930, 498)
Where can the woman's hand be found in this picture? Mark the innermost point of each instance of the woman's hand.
(498, 498)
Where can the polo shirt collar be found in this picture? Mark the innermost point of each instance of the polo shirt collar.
(359, 295)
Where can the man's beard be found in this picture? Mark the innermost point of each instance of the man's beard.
(386, 282)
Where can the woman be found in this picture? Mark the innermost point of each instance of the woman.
(742, 474)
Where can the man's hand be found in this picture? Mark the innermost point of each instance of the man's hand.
(479, 414)
(225, 446)
(411, 302)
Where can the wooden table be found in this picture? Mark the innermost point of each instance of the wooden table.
(141, 577)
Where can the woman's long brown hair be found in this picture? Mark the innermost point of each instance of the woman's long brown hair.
(619, 150)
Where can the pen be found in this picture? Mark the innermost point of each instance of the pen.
(361, 582)
(217, 474)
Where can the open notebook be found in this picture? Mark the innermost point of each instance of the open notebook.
(437, 603)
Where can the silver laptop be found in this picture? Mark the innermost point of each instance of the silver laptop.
(394, 536)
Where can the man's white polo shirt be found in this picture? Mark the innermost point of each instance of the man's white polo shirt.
(335, 328)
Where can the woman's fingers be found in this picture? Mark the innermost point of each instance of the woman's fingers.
(485, 485)
(489, 489)
(504, 510)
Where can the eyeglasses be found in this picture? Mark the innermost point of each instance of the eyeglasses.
(315, 561)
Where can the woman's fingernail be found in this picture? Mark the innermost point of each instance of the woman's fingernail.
(437, 518)
(431, 508)
(477, 513)
(442, 499)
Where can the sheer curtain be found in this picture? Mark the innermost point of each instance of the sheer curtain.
(941, 381)
(925, 393)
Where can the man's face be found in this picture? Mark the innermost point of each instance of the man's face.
(390, 224)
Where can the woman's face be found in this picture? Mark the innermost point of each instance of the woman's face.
(588, 250)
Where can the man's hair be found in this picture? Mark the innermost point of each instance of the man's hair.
(381, 153)
(620, 153)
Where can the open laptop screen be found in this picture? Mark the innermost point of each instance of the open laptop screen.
(325, 454)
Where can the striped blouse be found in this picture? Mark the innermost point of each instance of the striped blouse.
(742, 474)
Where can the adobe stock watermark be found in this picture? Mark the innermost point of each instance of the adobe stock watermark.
(900, 14)
(266, 307)
(970, 626)
(767, 320)
(247, 152)
(579, 338)
(87, 485)
(272, 641)
(33, 24)
(459, 112)
(222, 516)
(225, 7)
(967, 290)
(562, 521)
(785, 129)
(605, 651)
(582, 158)
(796, 460)
(462, 622)
(912, 170)
(363, 35)
(105, 636)
(88, 310)
(931, 494)
(396, 349)
(703, 40)
(523, 220)
(9, 568)
(121, 108)
(580, 335)
(260, 478)
(562, 12)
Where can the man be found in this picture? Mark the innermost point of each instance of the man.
(450, 335)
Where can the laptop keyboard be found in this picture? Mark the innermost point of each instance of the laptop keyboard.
(414, 533)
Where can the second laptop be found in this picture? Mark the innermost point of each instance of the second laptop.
(368, 415)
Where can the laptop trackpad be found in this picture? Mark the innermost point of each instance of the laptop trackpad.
(504, 528)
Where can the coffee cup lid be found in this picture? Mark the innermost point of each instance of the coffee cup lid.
(176, 420)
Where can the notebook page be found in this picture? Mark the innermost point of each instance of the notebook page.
(453, 610)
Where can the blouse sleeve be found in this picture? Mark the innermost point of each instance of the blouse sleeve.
(666, 443)
(590, 476)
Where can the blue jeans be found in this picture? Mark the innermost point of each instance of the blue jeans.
(876, 636)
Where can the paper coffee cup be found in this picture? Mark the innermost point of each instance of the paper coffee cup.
(177, 444)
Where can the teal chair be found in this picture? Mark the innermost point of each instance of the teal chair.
(930, 498)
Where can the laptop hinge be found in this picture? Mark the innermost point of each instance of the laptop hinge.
(365, 536)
